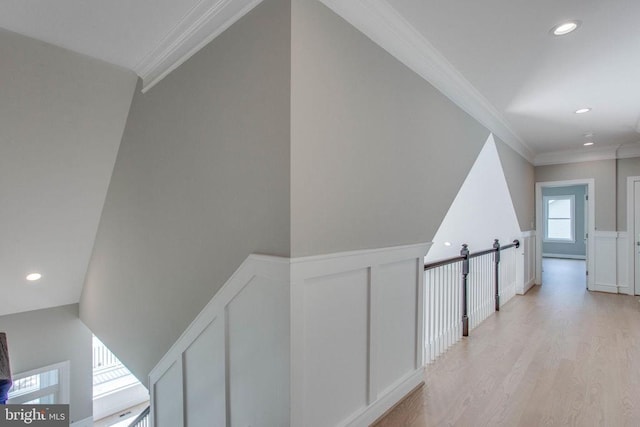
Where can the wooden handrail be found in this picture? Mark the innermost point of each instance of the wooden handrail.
(440, 263)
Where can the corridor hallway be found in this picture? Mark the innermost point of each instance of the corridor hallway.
(557, 356)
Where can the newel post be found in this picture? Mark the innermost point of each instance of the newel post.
(464, 252)
(496, 246)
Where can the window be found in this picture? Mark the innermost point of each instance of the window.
(559, 214)
(47, 385)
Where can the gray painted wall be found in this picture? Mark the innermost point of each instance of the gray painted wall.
(567, 248)
(200, 182)
(604, 174)
(62, 115)
(45, 337)
(377, 154)
(625, 168)
(520, 177)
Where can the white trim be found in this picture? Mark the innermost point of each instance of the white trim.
(575, 156)
(590, 227)
(527, 286)
(606, 234)
(526, 264)
(628, 151)
(254, 271)
(375, 411)
(605, 274)
(338, 262)
(314, 269)
(199, 26)
(564, 256)
(625, 285)
(266, 266)
(601, 287)
(587, 154)
(386, 387)
(87, 422)
(631, 233)
(383, 24)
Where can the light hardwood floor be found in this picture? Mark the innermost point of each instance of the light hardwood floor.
(557, 356)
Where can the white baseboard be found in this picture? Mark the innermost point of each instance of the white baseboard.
(87, 422)
(564, 256)
(528, 286)
(375, 411)
(599, 287)
(626, 290)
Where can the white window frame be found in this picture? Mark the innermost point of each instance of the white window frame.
(572, 201)
(61, 390)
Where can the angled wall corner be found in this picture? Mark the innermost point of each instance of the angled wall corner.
(203, 23)
(481, 211)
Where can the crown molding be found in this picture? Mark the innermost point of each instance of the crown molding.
(199, 26)
(628, 150)
(575, 156)
(386, 27)
(588, 155)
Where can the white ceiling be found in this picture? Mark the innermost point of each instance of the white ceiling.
(495, 58)
(121, 32)
(535, 80)
(501, 47)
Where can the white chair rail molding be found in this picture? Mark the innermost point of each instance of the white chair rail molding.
(331, 340)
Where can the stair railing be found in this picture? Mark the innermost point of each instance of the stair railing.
(142, 420)
(463, 291)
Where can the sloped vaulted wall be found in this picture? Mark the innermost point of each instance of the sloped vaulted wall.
(200, 182)
(291, 134)
(377, 153)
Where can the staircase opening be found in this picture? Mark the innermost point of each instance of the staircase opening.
(118, 396)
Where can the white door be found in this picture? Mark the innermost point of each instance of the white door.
(636, 233)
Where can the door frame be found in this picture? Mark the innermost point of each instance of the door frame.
(590, 183)
(631, 236)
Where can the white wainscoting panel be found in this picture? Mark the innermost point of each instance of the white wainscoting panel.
(508, 274)
(233, 360)
(605, 279)
(356, 334)
(625, 286)
(168, 397)
(395, 302)
(526, 266)
(335, 344)
(258, 354)
(333, 340)
(205, 393)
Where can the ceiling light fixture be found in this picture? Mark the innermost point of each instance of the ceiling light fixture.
(32, 277)
(582, 110)
(565, 28)
(588, 143)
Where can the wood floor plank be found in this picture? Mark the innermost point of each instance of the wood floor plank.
(558, 356)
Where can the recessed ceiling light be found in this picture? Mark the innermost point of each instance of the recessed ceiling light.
(32, 277)
(447, 243)
(582, 110)
(565, 28)
(588, 143)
